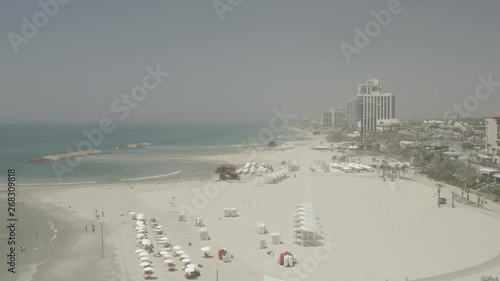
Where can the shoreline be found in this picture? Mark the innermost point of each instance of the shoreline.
(59, 242)
(152, 199)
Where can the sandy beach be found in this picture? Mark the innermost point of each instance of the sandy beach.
(374, 230)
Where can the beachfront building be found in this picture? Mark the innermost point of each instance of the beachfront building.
(493, 133)
(338, 117)
(352, 114)
(373, 105)
(326, 118)
(384, 125)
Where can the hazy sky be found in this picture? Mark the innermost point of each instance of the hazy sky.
(265, 54)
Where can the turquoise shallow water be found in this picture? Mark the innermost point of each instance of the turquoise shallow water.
(156, 163)
(19, 142)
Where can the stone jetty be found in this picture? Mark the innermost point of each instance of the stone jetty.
(63, 156)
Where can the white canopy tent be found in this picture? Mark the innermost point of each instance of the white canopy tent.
(277, 176)
(294, 165)
(307, 226)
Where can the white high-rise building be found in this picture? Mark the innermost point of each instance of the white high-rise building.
(493, 133)
(338, 117)
(373, 105)
(327, 118)
(352, 114)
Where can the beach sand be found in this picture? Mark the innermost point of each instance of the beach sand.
(374, 230)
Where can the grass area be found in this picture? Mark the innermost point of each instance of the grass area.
(374, 153)
(464, 201)
(434, 164)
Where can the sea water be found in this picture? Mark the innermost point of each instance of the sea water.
(35, 232)
(20, 142)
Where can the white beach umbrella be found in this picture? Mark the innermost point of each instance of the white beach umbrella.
(140, 235)
(159, 227)
(177, 247)
(189, 270)
(163, 253)
(144, 264)
(131, 213)
(192, 265)
(144, 254)
(186, 260)
(139, 251)
(149, 268)
(162, 242)
(145, 241)
(205, 249)
(169, 261)
(180, 252)
(144, 258)
(184, 256)
(142, 230)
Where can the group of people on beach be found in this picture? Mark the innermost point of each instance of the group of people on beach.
(489, 278)
(93, 228)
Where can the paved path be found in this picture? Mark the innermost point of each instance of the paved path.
(476, 269)
(472, 270)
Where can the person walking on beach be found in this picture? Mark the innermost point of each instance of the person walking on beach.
(102, 212)
(85, 227)
(93, 228)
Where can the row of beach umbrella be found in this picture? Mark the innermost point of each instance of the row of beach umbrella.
(140, 228)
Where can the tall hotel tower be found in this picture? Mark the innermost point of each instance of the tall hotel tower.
(373, 105)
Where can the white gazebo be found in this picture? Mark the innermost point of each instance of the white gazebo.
(203, 234)
(198, 221)
(261, 228)
(276, 238)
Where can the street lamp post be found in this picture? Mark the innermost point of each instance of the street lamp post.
(453, 199)
(102, 239)
(439, 194)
